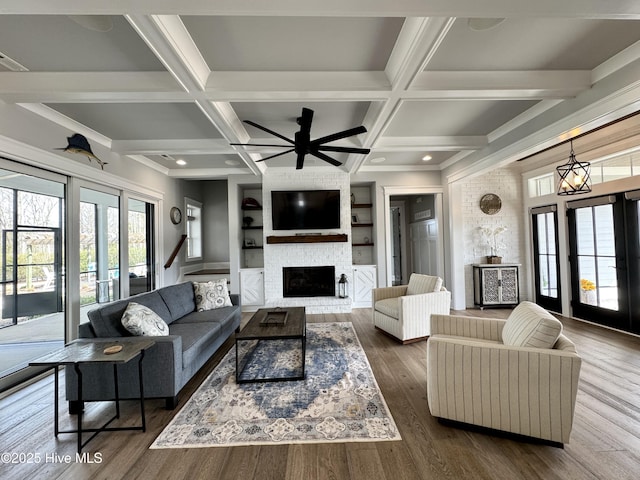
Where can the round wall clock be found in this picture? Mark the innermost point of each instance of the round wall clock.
(176, 215)
(490, 204)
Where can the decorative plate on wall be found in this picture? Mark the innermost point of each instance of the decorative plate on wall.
(490, 204)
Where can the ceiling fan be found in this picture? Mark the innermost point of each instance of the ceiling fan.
(303, 145)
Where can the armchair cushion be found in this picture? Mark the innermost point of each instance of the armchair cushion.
(530, 325)
(423, 284)
(389, 307)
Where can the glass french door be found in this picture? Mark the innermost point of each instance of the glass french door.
(598, 253)
(544, 222)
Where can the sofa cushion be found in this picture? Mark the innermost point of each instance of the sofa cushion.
(389, 307)
(217, 315)
(211, 295)
(196, 338)
(141, 320)
(530, 325)
(419, 283)
(179, 299)
(107, 319)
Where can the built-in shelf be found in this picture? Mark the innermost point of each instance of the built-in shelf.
(273, 239)
(370, 244)
(361, 225)
(257, 227)
(361, 205)
(252, 247)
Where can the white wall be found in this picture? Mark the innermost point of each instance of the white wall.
(507, 184)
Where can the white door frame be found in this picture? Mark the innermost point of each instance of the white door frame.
(388, 192)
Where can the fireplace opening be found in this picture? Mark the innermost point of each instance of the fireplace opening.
(309, 281)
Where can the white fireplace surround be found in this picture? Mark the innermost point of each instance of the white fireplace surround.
(277, 256)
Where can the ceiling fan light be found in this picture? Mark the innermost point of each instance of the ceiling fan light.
(95, 23)
(575, 176)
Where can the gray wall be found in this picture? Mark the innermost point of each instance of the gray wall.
(216, 221)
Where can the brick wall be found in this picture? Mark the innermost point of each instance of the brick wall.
(507, 184)
(306, 254)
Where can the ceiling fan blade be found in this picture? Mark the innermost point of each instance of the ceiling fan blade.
(327, 148)
(265, 129)
(259, 145)
(326, 158)
(339, 135)
(276, 155)
(300, 161)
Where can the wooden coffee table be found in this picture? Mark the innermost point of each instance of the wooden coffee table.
(269, 324)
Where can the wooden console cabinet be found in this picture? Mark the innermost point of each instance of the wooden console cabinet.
(496, 285)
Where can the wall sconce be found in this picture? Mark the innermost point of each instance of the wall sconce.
(574, 176)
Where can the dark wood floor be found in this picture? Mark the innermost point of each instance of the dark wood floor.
(605, 442)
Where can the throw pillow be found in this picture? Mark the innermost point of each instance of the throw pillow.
(530, 325)
(141, 320)
(419, 283)
(210, 295)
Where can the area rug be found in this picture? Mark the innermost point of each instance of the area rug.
(339, 401)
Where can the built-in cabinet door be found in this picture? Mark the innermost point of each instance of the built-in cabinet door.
(364, 281)
(495, 286)
(252, 286)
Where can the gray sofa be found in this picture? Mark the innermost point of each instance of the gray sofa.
(167, 366)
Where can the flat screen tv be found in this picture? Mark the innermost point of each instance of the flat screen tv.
(305, 209)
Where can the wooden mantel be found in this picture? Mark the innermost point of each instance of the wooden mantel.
(340, 237)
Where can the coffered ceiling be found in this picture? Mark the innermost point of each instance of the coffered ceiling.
(166, 80)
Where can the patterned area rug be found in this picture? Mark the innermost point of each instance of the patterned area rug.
(339, 401)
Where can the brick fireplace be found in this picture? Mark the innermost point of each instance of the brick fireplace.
(285, 255)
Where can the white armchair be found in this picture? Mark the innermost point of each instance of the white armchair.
(519, 375)
(404, 311)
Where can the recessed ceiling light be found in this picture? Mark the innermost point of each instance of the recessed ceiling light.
(480, 24)
(377, 160)
(426, 158)
(181, 162)
(232, 163)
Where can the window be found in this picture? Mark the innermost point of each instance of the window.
(194, 229)
(542, 185)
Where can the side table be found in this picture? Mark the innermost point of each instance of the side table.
(81, 352)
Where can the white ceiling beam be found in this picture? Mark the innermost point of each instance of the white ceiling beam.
(83, 87)
(439, 143)
(499, 84)
(264, 86)
(621, 9)
(173, 147)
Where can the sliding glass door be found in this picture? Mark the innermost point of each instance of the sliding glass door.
(32, 275)
(140, 239)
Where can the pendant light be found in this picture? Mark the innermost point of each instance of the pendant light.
(574, 176)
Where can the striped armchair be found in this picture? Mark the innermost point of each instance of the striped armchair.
(519, 375)
(404, 311)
